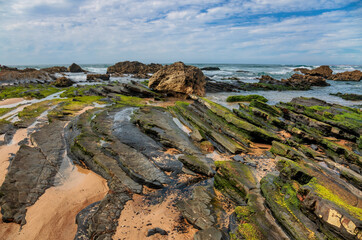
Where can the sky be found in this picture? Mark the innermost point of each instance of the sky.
(193, 31)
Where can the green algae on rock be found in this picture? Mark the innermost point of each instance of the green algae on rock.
(245, 98)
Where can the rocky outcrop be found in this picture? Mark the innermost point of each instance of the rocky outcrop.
(302, 80)
(14, 75)
(97, 77)
(75, 68)
(55, 69)
(355, 75)
(63, 82)
(179, 78)
(322, 71)
(134, 67)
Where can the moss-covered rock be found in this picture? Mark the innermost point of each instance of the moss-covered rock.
(234, 179)
(286, 151)
(256, 133)
(265, 107)
(245, 98)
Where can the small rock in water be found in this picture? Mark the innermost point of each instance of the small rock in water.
(154, 231)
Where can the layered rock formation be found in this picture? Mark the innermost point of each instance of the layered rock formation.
(290, 171)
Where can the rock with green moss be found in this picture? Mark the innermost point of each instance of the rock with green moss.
(265, 107)
(198, 164)
(235, 179)
(348, 96)
(283, 202)
(286, 151)
(210, 129)
(256, 133)
(245, 98)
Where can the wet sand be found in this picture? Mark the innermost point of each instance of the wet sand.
(138, 217)
(53, 215)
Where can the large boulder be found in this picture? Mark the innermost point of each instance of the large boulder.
(74, 68)
(134, 67)
(63, 82)
(355, 75)
(179, 78)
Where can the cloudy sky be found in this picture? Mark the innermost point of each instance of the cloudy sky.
(194, 31)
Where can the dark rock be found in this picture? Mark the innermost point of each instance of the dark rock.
(127, 133)
(198, 210)
(215, 87)
(210, 68)
(31, 172)
(63, 82)
(95, 77)
(133, 68)
(129, 89)
(74, 68)
(179, 78)
(348, 96)
(355, 75)
(154, 231)
(231, 78)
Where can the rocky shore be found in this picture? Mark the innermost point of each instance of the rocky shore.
(162, 161)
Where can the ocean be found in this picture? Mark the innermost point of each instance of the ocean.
(250, 73)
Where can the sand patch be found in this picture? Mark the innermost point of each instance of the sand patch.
(53, 215)
(139, 216)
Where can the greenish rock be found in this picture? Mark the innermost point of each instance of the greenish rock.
(348, 96)
(235, 179)
(286, 151)
(256, 133)
(245, 98)
(198, 164)
(265, 107)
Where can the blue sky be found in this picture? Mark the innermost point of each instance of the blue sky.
(193, 31)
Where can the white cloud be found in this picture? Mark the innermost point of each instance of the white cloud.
(192, 31)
